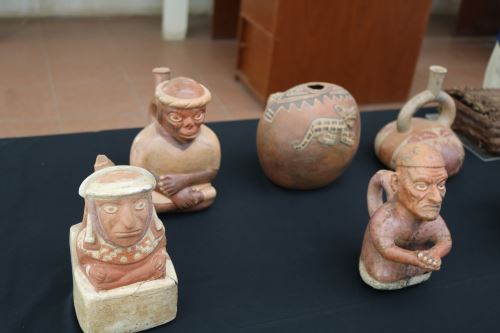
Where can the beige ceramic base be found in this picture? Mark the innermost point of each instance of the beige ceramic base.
(369, 280)
(131, 308)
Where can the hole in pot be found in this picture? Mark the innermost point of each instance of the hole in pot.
(316, 86)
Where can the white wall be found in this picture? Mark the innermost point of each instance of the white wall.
(26, 8)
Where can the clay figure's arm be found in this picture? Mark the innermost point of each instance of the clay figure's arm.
(407, 257)
(383, 233)
(172, 183)
(153, 269)
(441, 237)
(105, 277)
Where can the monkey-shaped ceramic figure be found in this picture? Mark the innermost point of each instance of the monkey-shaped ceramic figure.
(182, 153)
(124, 280)
(406, 237)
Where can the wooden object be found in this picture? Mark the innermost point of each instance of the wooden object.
(476, 18)
(478, 117)
(368, 47)
(225, 18)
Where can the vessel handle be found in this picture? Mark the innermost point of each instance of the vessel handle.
(432, 94)
(381, 181)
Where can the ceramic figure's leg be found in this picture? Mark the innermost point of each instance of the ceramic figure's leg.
(162, 203)
(205, 195)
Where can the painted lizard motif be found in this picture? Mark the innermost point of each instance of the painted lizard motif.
(329, 131)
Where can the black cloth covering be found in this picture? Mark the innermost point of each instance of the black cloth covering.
(262, 258)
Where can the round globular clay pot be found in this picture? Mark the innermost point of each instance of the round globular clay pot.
(436, 133)
(308, 135)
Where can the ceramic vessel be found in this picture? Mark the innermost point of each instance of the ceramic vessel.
(437, 133)
(492, 75)
(308, 135)
(123, 278)
(177, 148)
(160, 74)
(406, 237)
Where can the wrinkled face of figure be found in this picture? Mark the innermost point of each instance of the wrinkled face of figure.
(421, 190)
(183, 125)
(124, 221)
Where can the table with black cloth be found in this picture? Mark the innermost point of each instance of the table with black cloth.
(262, 258)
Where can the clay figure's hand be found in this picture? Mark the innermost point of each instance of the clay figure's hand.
(187, 198)
(159, 263)
(170, 184)
(100, 274)
(97, 273)
(428, 261)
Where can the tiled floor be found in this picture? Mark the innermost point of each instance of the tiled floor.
(72, 75)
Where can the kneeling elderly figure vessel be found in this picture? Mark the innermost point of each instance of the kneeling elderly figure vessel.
(123, 278)
(406, 237)
(182, 153)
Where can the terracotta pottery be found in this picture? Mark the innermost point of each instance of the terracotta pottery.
(160, 74)
(121, 241)
(123, 278)
(437, 133)
(182, 153)
(308, 135)
(406, 237)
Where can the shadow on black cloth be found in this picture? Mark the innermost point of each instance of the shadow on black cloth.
(262, 258)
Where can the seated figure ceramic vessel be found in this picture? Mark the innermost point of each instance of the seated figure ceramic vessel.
(182, 153)
(406, 237)
(121, 240)
(123, 278)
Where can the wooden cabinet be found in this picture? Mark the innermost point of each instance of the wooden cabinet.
(370, 47)
(478, 18)
(225, 15)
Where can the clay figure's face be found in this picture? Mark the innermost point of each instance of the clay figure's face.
(124, 221)
(421, 190)
(183, 125)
